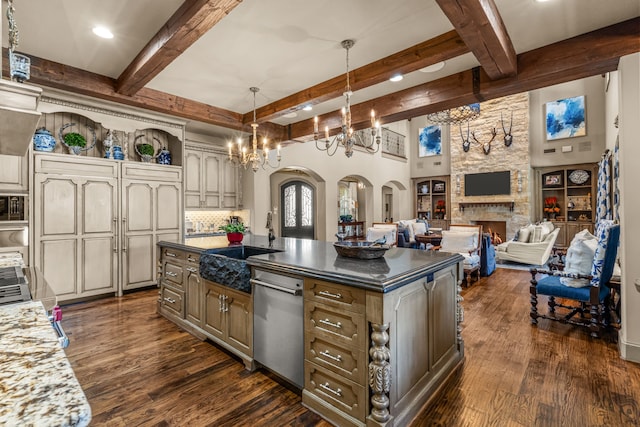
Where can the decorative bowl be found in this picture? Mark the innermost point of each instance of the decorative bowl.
(360, 250)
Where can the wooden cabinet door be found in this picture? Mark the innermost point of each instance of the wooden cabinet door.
(193, 293)
(214, 316)
(98, 231)
(168, 206)
(230, 183)
(138, 241)
(239, 312)
(193, 179)
(13, 173)
(212, 180)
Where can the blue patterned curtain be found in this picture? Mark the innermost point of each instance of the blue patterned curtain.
(616, 175)
(603, 204)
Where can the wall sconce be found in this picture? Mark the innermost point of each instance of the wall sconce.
(519, 181)
(458, 184)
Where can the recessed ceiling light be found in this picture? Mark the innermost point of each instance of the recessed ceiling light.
(307, 108)
(291, 115)
(433, 68)
(103, 32)
(396, 78)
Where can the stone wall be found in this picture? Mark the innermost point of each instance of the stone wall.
(514, 158)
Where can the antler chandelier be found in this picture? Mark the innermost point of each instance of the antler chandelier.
(455, 116)
(346, 137)
(256, 158)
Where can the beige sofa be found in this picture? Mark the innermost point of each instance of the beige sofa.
(529, 251)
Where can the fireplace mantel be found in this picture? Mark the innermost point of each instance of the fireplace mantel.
(463, 205)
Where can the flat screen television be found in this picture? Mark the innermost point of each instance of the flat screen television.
(487, 184)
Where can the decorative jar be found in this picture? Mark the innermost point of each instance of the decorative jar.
(164, 157)
(117, 152)
(43, 140)
(235, 237)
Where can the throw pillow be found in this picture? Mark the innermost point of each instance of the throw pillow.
(539, 233)
(524, 233)
(418, 228)
(458, 241)
(579, 259)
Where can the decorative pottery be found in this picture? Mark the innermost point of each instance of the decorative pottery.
(43, 140)
(235, 237)
(109, 142)
(164, 157)
(117, 152)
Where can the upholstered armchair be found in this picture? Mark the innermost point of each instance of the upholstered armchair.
(586, 295)
(533, 245)
(383, 229)
(467, 241)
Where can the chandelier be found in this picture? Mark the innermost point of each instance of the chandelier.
(347, 137)
(454, 116)
(256, 158)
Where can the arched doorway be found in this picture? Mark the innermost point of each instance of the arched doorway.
(297, 200)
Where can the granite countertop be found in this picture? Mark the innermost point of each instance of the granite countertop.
(38, 385)
(318, 259)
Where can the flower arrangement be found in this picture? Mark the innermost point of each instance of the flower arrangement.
(551, 206)
(232, 228)
(441, 209)
(74, 139)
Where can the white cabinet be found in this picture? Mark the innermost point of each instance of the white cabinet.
(211, 182)
(13, 173)
(97, 222)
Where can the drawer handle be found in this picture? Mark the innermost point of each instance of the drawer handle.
(192, 270)
(172, 274)
(326, 353)
(329, 323)
(191, 259)
(326, 387)
(171, 254)
(330, 295)
(170, 300)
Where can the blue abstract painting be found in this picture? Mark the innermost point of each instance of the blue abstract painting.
(565, 118)
(430, 141)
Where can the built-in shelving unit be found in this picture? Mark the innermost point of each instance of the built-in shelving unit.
(574, 189)
(433, 200)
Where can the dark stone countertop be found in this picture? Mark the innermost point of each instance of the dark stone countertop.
(318, 259)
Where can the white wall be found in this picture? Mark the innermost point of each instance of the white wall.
(629, 93)
(375, 168)
(585, 149)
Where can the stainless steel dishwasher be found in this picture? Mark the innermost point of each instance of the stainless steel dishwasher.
(278, 324)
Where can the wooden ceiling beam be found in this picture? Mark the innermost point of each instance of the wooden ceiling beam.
(441, 48)
(480, 25)
(582, 56)
(74, 80)
(190, 22)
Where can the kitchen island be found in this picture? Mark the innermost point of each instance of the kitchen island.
(38, 385)
(380, 336)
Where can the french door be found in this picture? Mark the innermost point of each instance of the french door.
(298, 203)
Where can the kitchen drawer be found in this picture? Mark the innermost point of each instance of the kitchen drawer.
(338, 392)
(335, 295)
(192, 259)
(350, 363)
(343, 327)
(170, 253)
(173, 300)
(173, 273)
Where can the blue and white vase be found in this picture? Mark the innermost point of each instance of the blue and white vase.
(43, 140)
(117, 152)
(164, 157)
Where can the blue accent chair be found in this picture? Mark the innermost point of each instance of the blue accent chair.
(589, 302)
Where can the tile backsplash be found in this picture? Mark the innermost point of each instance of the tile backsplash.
(211, 220)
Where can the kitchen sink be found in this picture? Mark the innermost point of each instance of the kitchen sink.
(227, 266)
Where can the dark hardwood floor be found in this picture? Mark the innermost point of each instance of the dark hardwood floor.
(137, 368)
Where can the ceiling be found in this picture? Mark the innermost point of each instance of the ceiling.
(282, 46)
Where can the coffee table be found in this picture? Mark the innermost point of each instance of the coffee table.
(433, 238)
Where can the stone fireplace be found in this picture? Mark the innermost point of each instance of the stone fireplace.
(504, 213)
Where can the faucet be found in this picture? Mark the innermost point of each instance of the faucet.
(269, 225)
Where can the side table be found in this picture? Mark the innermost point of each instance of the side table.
(433, 238)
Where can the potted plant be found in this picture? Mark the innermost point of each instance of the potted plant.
(75, 142)
(234, 232)
(146, 151)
